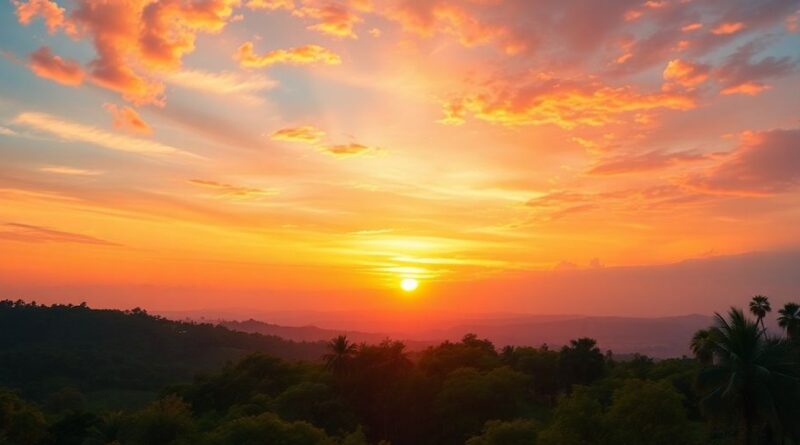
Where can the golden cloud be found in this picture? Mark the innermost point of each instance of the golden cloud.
(306, 134)
(302, 55)
(566, 104)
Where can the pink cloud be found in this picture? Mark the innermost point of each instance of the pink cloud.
(125, 33)
(126, 118)
(50, 66)
(764, 163)
(49, 10)
(685, 74)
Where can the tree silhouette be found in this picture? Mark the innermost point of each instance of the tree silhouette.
(789, 320)
(581, 362)
(760, 307)
(341, 351)
(702, 346)
(754, 379)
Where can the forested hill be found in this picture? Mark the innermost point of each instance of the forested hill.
(44, 348)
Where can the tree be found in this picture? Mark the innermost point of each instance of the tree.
(469, 398)
(515, 432)
(341, 351)
(702, 346)
(165, 422)
(267, 429)
(20, 422)
(759, 306)
(470, 352)
(789, 320)
(648, 413)
(753, 379)
(581, 362)
(542, 364)
(577, 420)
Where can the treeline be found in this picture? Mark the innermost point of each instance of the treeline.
(45, 348)
(742, 388)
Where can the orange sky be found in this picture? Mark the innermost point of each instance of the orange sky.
(280, 154)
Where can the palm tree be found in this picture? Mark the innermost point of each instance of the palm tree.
(759, 306)
(789, 320)
(753, 378)
(341, 350)
(702, 346)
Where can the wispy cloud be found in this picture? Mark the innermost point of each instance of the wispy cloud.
(8, 132)
(38, 234)
(224, 83)
(231, 191)
(71, 131)
(64, 170)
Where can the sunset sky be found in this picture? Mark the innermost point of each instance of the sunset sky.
(304, 154)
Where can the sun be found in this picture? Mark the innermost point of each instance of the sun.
(409, 284)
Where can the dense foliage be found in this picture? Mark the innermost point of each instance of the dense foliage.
(742, 388)
(105, 353)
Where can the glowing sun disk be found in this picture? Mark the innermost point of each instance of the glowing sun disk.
(409, 284)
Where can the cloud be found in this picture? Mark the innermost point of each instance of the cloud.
(52, 14)
(793, 22)
(306, 134)
(727, 28)
(692, 27)
(453, 19)
(646, 162)
(38, 234)
(232, 191)
(270, 4)
(684, 74)
(334, 19)
(114, 27)
(565, 103)
(565, 203)
(50, 66)
(764, 163)
(169, 28)
(126, 118)
(740, 75)
(7, 132)
(302, 55)
(131, 38)
(71, 171)
(224, 83)
(348, 150)
(71, 131)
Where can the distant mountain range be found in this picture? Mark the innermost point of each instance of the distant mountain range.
(657, 337)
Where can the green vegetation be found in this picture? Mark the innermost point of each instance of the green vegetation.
(741, 388)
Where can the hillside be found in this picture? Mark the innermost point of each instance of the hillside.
(45, 348)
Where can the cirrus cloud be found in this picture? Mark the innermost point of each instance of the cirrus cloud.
(71, 131)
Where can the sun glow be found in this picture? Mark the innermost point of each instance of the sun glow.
(409, 284)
